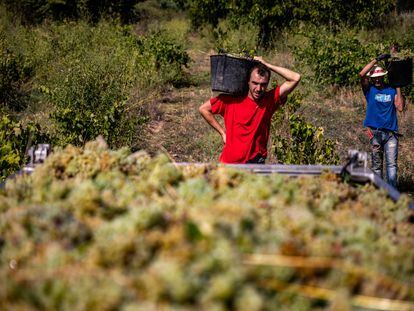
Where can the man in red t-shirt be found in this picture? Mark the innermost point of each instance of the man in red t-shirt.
(247, 118)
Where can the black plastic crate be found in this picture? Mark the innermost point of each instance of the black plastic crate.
(230, 74)
(400, 72)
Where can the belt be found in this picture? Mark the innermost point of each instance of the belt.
(381, 129)
(385, 130)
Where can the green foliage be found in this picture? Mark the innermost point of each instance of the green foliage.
(229, 39)
(86, 75)
(335, 57)
(14, 138)
(175, 29)
(273, 16)
(408, 93)
(90, 76)
(36, 11)
(154, 11)
(179, 4)
(166, 57)
(298, 142)
(95, 9)
(13, 73)
(204, 12)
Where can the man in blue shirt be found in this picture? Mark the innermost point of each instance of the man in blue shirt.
(381, 122)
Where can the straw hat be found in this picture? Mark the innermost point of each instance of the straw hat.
(377, 71)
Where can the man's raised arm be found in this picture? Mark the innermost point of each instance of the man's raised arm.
(367, 68)
(292, 78)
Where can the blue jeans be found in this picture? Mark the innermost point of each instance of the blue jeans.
(385, 143)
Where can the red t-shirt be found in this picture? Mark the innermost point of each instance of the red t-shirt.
(247, 124)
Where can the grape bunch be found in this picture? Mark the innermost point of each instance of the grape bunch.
(94, 228)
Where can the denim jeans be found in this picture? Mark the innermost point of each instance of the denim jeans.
(385, 143)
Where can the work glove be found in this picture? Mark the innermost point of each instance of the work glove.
(382, 56)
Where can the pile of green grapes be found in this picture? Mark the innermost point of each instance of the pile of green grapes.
(97, 229)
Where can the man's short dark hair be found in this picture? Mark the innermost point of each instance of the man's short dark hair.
(262, 70)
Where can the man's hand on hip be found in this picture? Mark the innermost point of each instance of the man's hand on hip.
(223, 136)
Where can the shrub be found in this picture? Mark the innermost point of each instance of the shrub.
(88, 81)
(175, 29)
(95, 9)
(85, 76)
(273, 16)
(335, 58)
(36, 11)
(13, 73)
(231, 39)
(89, 73)
(14, 140)
(298, 142)
(203, 12)
(166, 57)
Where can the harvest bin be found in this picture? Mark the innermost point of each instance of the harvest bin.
(230, 74)
(400, 72)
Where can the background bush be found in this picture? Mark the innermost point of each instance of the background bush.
(273, 16)
(89, 81)
(85, 74)
(297, 142)
(36, 11)
(228, 39)
(14, 138)
(165, 57)
(78, 79)
(13, 73)
(335, 57)
(92, 74)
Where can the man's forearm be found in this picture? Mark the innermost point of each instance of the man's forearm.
(205, 111)
(399, 101)
(209, 117)
(367, 68)
(287, 74)
(292, 78)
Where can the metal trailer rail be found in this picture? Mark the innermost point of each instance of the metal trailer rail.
(358, 175)
(355, 170)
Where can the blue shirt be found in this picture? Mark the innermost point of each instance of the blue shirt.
(381, 111)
